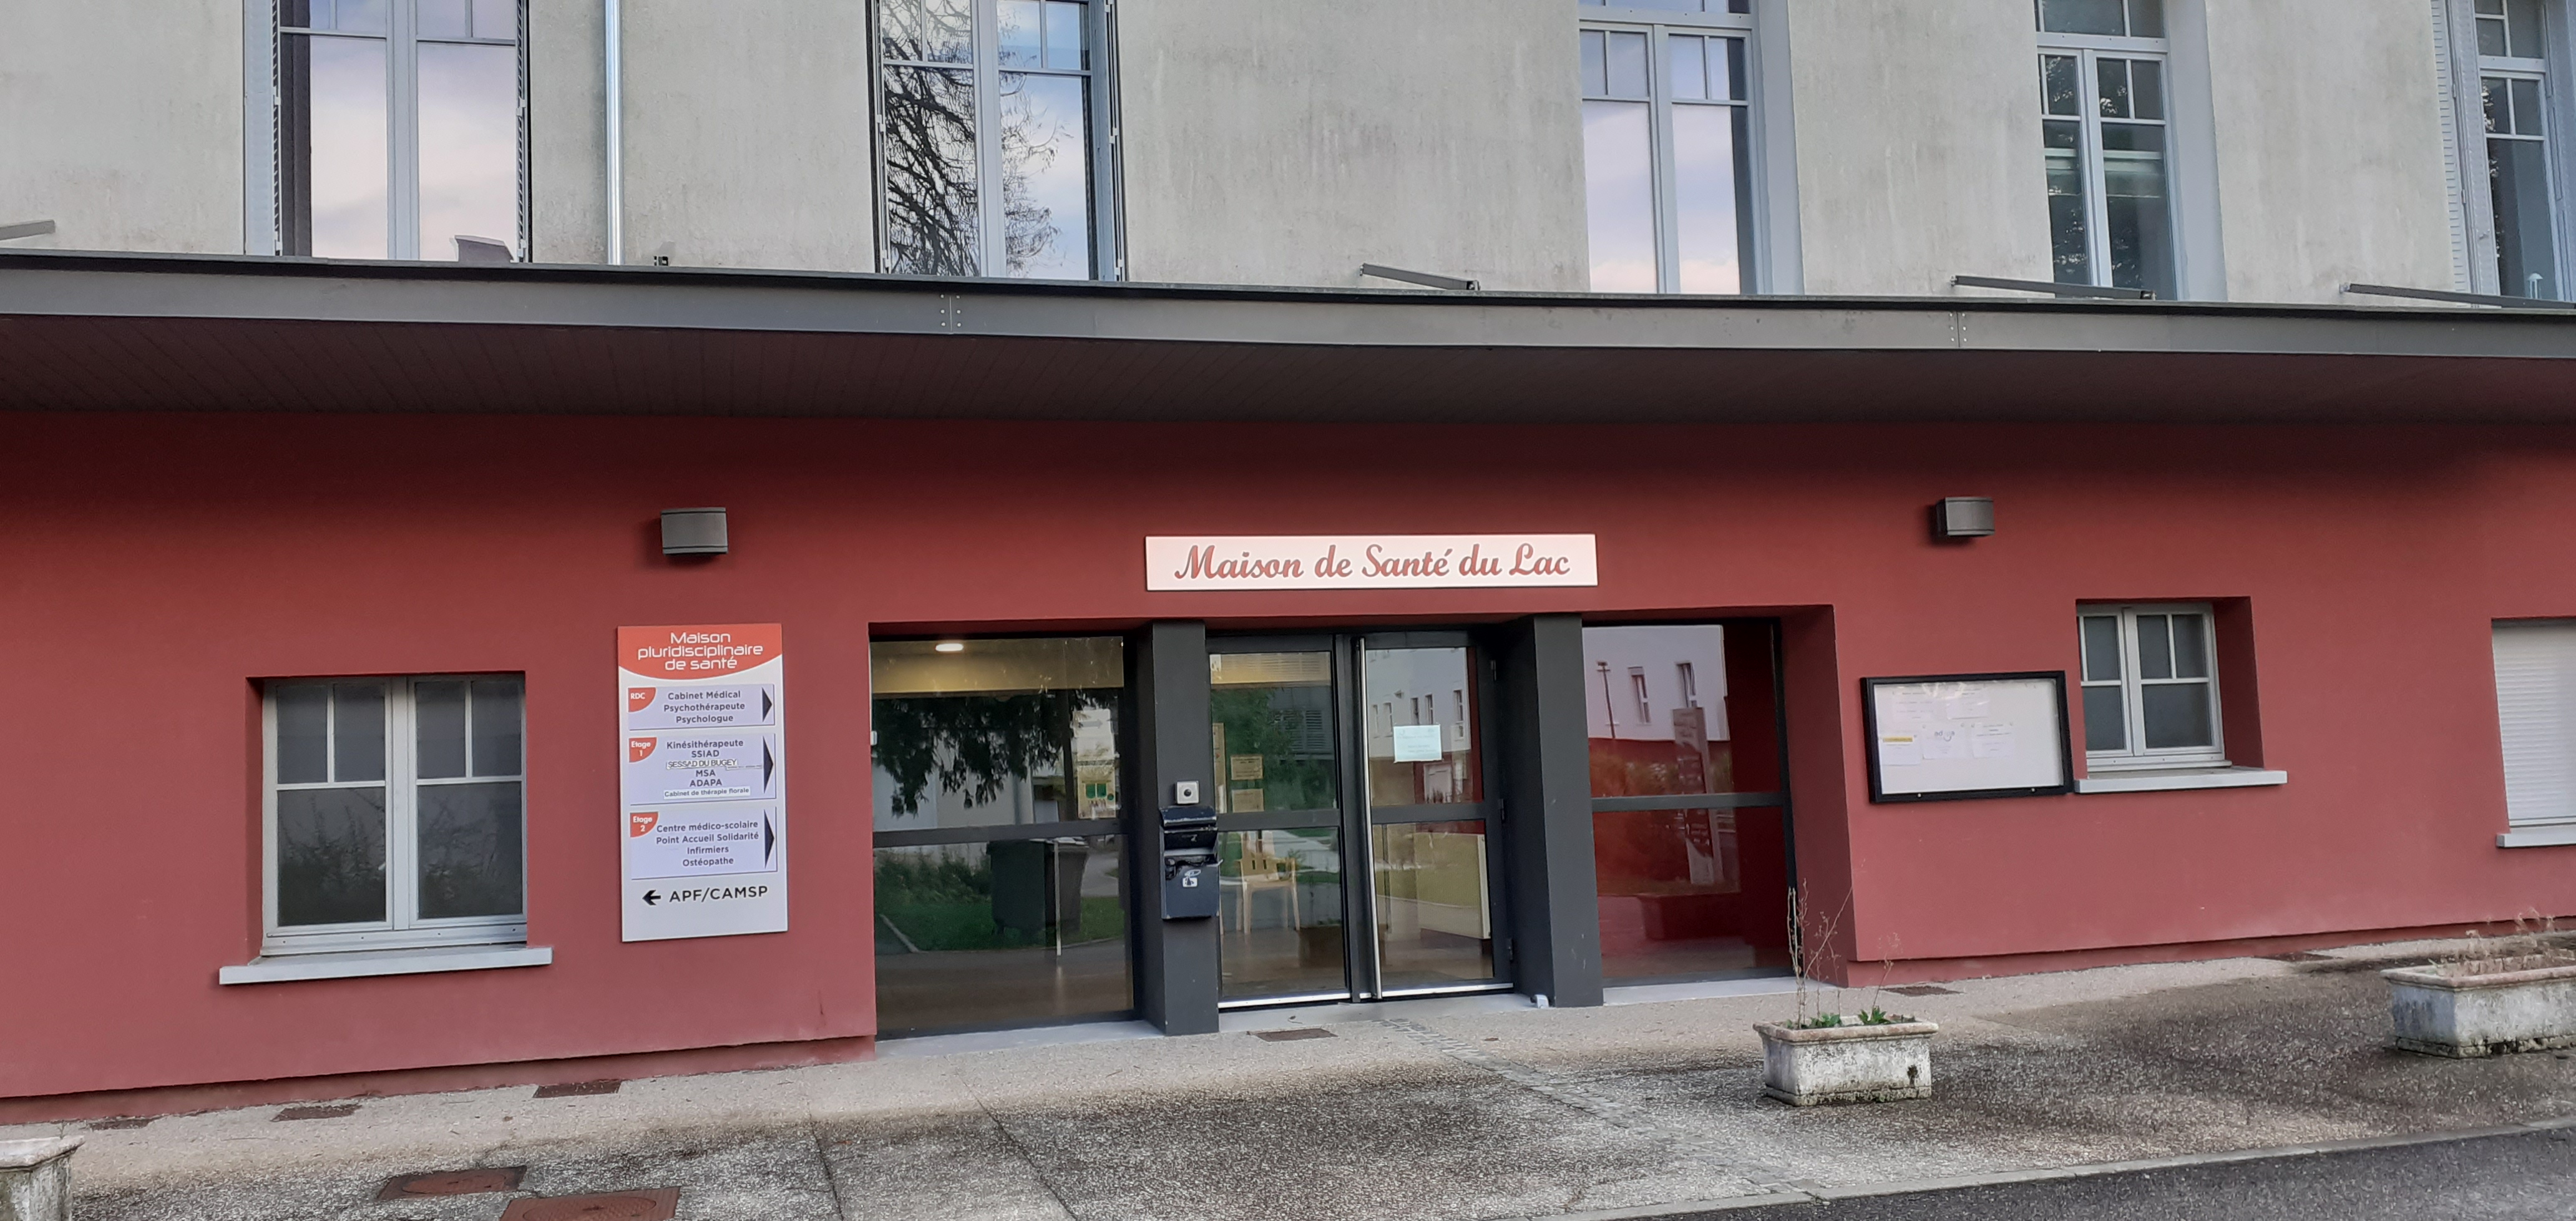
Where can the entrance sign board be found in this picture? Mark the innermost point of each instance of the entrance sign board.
(1958, 736)
(1370, 561)
(702, 724)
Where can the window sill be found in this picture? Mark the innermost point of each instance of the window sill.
(280, 968)
(2538, 837)
(2168, 780)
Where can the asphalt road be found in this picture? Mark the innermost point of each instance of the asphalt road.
(2518, 1177)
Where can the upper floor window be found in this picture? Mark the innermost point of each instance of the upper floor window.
(394, 813)
(1667, 145)
(400, 129)
(993, 138)
(2514, 85)
(2108, 143)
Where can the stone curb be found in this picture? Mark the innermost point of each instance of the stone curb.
(1821, 1195)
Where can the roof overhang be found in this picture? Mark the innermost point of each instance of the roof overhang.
(204, 332)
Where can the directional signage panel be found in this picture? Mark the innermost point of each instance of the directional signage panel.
(728, 766)
(703, 779)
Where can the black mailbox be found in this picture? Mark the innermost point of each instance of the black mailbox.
(1189, 862)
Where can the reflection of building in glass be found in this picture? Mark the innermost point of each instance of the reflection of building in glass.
(1656, 708)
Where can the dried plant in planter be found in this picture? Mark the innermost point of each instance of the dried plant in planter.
(1808, 954)
(2535, 944)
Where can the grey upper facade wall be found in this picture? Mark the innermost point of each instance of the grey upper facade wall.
(121, 122)
(1263, 142)
(1289, 143)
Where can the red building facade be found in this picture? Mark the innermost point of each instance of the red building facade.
(172, 563)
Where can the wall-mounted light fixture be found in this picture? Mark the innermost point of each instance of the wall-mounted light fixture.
(949, 646)
(693, 532)
(1963, 517)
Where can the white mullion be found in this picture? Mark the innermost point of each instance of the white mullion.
(2097, 201)
(401, 781)
(2550, 168)
(1107, 208)
(989, 212)
(2209, 683)
(402, 145)
(268, 812)
(1659, 135)
(2133, 685)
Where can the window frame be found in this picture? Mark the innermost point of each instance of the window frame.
(2135, 755)
(1107, 246)
(2089, 50)
(1756, 273)
(2538, 70)
(402, 927)
(263, 182)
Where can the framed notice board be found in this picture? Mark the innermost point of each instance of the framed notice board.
(1950, 737)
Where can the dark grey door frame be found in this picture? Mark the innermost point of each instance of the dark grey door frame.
(1357, 819)
(1176, 964)
(1539, 807)
(1547, 823)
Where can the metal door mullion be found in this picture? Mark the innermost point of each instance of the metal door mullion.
(1483, 676)
(1359, 864)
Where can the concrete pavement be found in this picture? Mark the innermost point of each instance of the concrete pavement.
(1467, 1109)
(2518, 1176)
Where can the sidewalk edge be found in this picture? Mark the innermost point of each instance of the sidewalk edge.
(1893, 1187)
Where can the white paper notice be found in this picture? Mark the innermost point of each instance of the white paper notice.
(1417, 743)
(1995, 741)
(1944, 742)
(1970, 706)
(1899, 750)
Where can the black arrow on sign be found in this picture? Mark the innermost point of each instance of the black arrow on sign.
(766, 703)
(768, 838)
(768, 763)
(652, 897)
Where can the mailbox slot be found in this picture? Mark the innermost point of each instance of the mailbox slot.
(1189, 862)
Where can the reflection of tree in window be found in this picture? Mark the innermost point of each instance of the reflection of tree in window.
(976, 745)
(930, 171)
(1034, 134)
(987, 147)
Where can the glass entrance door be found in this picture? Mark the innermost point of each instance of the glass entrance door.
(1352, 794)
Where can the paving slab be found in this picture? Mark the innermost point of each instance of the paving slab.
(1456, 1110)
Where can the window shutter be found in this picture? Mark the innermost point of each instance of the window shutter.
(2446, 101)
(2535, 687)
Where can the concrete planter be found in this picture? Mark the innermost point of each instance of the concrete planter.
(36, 1178)
(1848, 1063)
(2482, 1015)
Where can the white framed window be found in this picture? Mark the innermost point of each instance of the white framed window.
(394, 812)
(995, 138)
(399, 129)
(2517, 97)
(1668, 145)
(2107, 132)
(2535, 672)
(1688, 681)
(2150, 686)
